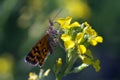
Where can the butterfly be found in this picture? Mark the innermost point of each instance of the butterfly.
(44, 47)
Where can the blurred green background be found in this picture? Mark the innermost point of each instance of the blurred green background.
(24, 22)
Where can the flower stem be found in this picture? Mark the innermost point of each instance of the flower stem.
(68, 65)
(79, 68)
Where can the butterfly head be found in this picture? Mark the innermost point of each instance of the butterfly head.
(51, 30)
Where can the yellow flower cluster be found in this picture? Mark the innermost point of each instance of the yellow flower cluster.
(66, 37)
(79, 36)
(65, 23)
(93, 37)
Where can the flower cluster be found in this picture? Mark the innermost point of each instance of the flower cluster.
(77, 37)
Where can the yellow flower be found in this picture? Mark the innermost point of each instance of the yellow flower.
(69, 44)
(93, 36)
(81, 49)
(99, 39)
(65, 37)
(94, 41)
(91, 32)
(96, 65)
(32, 76)
(59, 61)
(77, 8)
(86, 23)
(79, 37)
(87, 59)
(65, 23)
(5, 65)
(75, 24)
(90, 60)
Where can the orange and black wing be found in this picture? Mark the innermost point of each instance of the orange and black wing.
(39, 52)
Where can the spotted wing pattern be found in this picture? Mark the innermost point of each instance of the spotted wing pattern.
(39, 52)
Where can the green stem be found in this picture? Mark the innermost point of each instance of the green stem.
(58, 78)
(68, 66)
(79, 68)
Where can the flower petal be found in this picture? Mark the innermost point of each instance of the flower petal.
(99, 39)
(65, 37)
(75, 24)
(93, 42)
(65, 23)
(81, 49)
(69, 44)
(79, 37)
(61, 21)
(68, 20)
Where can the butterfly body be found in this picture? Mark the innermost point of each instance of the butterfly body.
(43, 48)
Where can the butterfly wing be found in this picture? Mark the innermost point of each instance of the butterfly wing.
(39, 52)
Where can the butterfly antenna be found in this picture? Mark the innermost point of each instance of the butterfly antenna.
(53, 18)
(57, 14)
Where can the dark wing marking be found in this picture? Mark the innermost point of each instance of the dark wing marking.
(39, 52)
